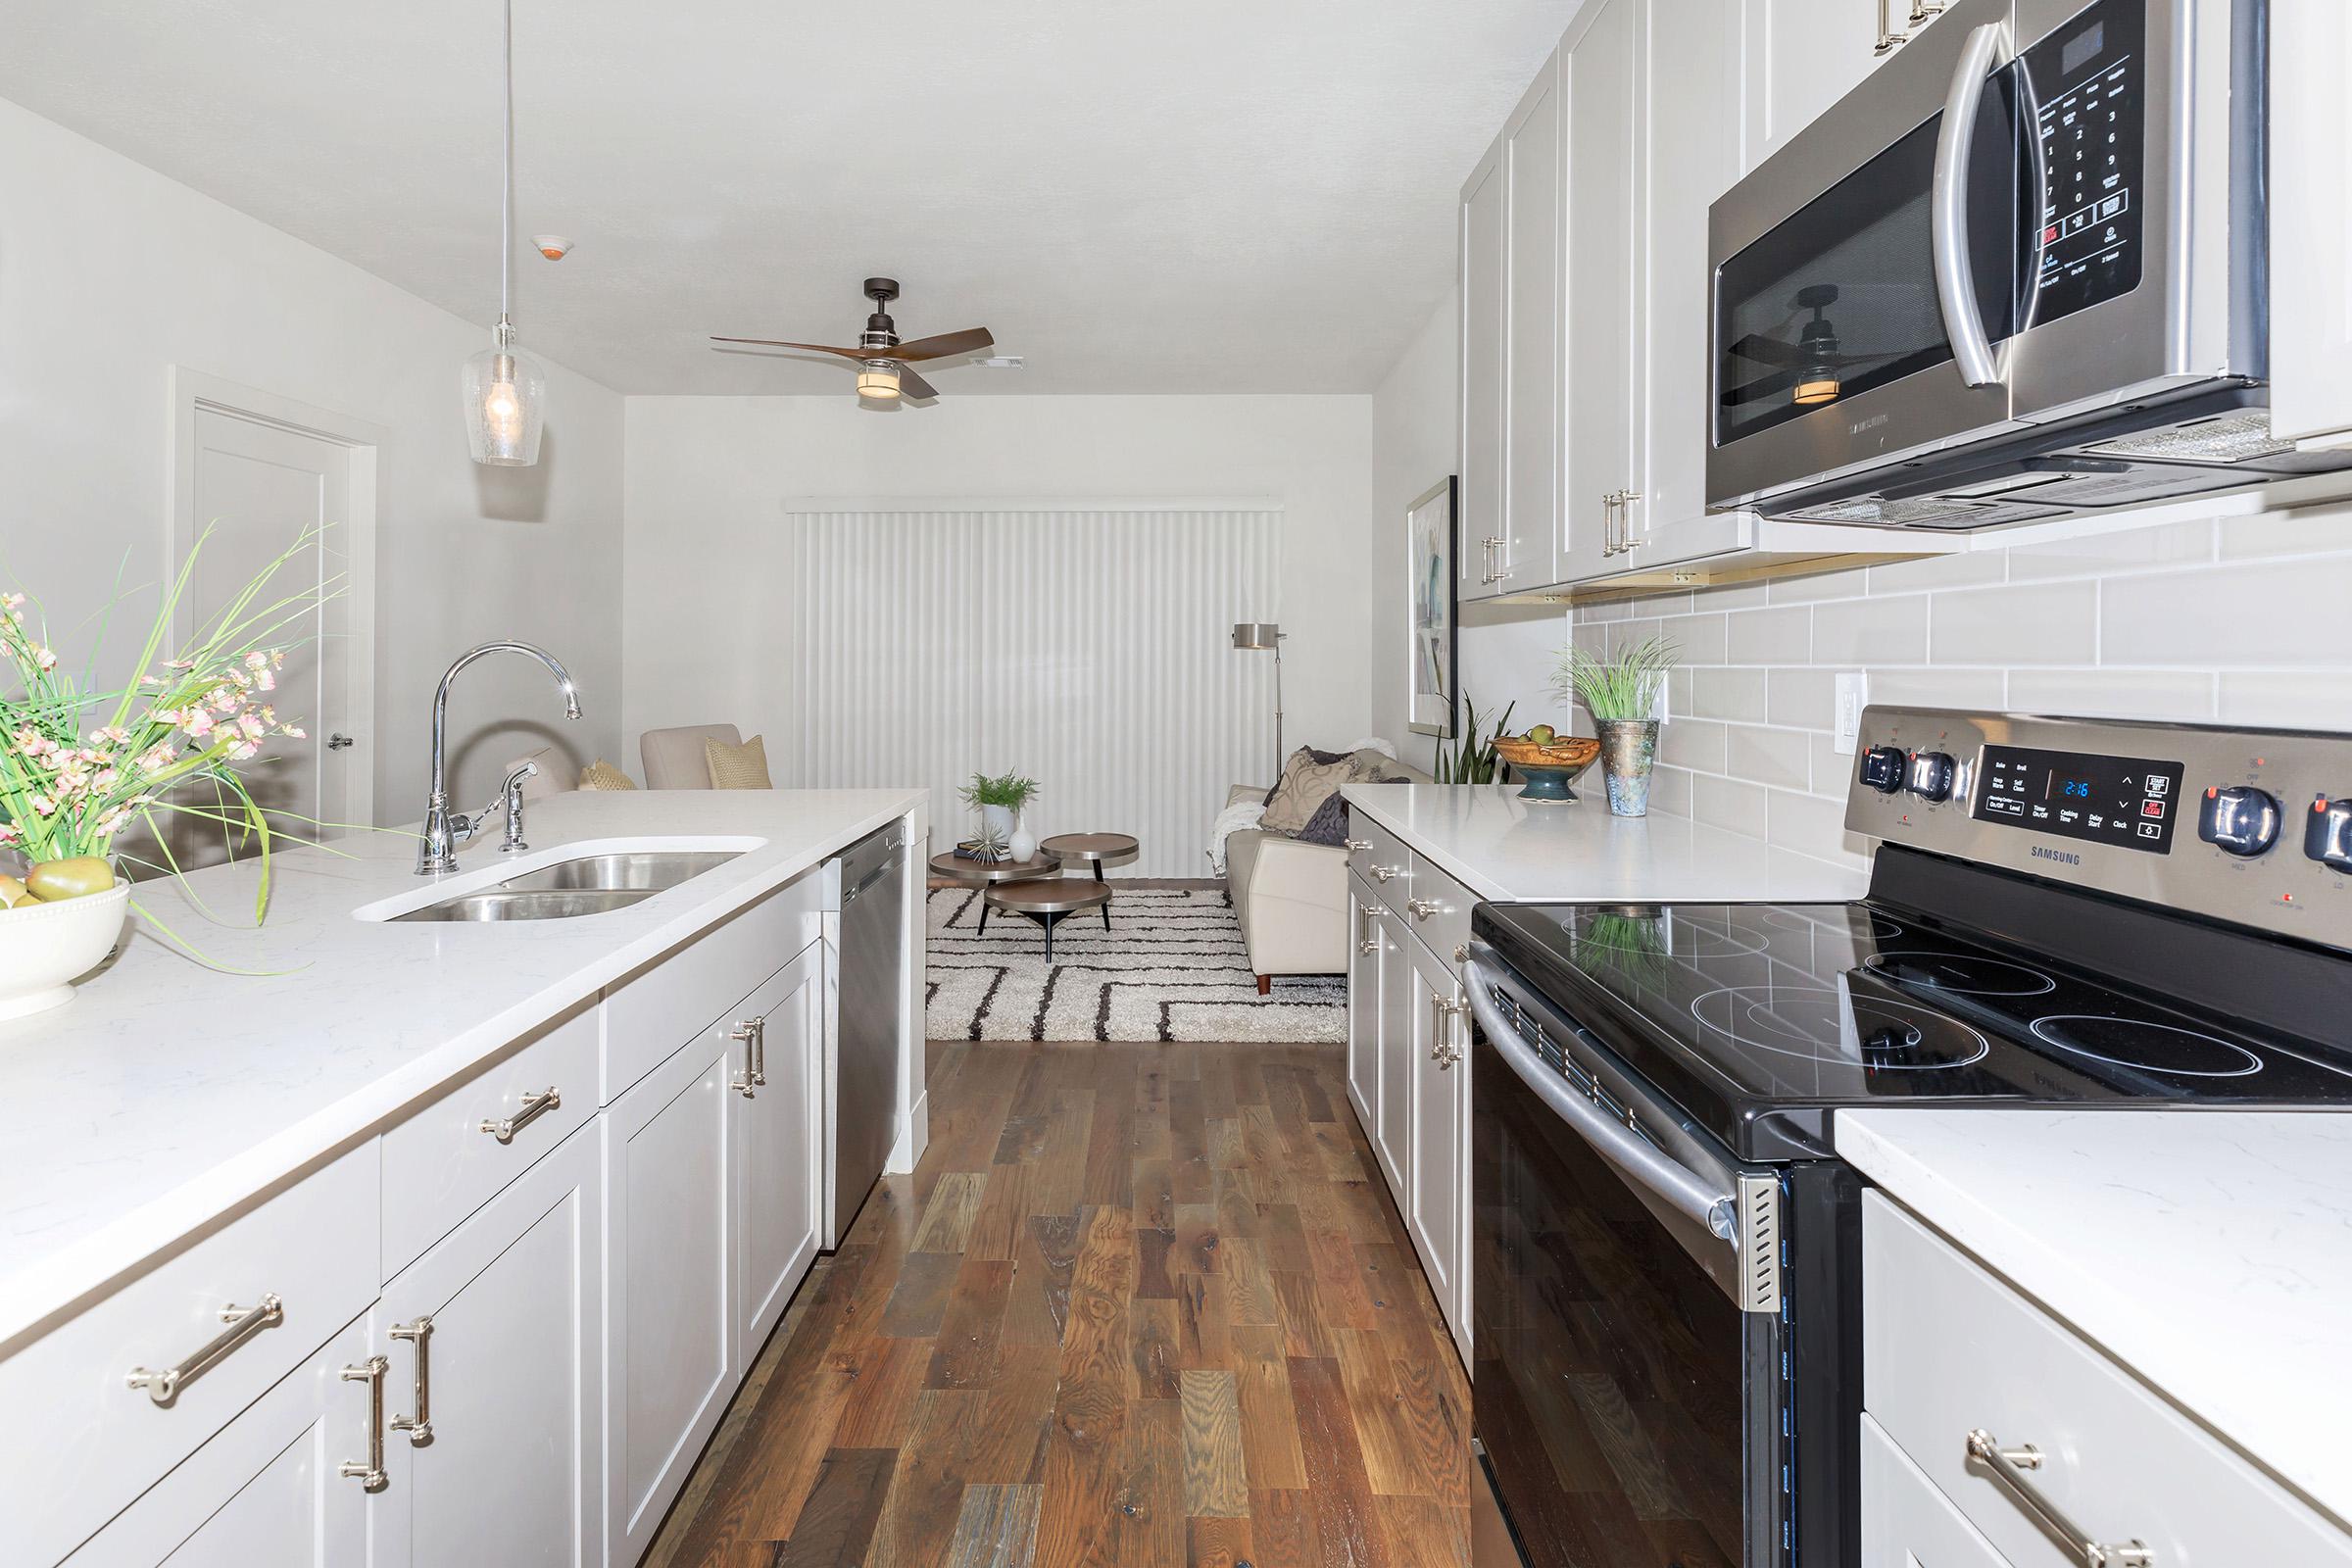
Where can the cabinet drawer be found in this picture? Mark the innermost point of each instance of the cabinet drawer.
(1438, 909)
(649, 1015)
(1387, 867)
(1906, 1520)
(78, 1442)
(440, 1165)
(1949, 1350)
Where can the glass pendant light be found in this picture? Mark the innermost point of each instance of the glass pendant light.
(505, 390)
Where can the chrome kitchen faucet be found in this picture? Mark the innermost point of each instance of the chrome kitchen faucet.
(445, 830)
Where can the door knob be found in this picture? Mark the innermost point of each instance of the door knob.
(337, 742)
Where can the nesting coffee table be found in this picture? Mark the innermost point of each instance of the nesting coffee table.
(1049, 900)
(1098, 849)
(990, 874)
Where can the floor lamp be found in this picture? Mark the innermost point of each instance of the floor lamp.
(1258, 636)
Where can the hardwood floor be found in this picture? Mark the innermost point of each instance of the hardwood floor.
(1140, 1305)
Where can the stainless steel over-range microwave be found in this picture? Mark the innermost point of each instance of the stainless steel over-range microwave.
(2020, 273)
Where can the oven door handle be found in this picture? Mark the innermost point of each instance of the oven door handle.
(1635, 1156)
(1986, 52)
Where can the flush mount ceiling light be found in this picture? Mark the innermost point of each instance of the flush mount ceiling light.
(886, 374)
(505, 390)
(878, 381)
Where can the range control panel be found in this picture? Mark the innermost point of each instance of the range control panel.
(2250, 826)
(2086, 83)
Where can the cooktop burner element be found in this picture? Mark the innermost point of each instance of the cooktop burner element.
(1963, 973)
(1879, 1033)
(2158, 1048)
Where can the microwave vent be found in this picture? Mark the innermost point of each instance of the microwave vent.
(2239, 437)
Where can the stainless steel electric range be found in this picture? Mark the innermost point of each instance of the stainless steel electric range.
(1666, 1304)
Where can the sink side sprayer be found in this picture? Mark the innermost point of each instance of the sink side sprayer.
(444, 830)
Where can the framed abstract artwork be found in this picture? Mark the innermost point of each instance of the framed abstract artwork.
(1431, 635)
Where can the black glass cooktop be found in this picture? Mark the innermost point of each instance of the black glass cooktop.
(1758, 1020)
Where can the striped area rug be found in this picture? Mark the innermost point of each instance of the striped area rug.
(1171, 968)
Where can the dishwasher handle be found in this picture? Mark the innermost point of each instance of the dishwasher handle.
(888, 868)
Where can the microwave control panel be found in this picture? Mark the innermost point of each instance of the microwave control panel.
(2085, 85)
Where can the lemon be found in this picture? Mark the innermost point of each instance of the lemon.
(12, 892)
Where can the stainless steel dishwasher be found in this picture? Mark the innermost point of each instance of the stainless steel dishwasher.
(862, 1076)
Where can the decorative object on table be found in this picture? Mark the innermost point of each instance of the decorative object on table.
(737, 767)
(166, 747)
(1474, 758)
(1621, 692)
(1549, 763)
(1432, 538)
(1260, 636)
(1023, 842)
(998, 798)
(987, 848)
(1177, 968)
(506, 391)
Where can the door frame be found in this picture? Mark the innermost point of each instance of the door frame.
(193, 391)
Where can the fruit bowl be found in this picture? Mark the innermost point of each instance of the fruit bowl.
(1549, 766)
(43, 947)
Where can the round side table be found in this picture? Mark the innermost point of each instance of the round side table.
(1049, 900)
(993, 873)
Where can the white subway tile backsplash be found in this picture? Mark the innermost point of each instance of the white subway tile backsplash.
(1940, 687)
(1965, 568)
(2164, 545)
(1730, 803)
(2185, 694)
(2280, 614)
(1804, 698)
(1699, 639)
(1770, 637)
(2305, 530)
(1693, 742)
(1779, 757)
(2285, 700)
(1884, 632)
(2040, 623)
(1736, 693)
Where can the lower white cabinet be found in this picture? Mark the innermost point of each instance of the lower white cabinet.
(1364, 1001)
(1905, 1520)
(268, 1488)
(494, 1424)
(668, 1289)
(1393, 1133)
(1437, 1211)
(778, 1186)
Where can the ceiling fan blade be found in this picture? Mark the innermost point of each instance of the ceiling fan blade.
(1769, 351)
(812, 348)
(946, 344)
(911, 385)
(1763, 387)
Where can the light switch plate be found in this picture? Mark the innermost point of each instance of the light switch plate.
(1853, 696)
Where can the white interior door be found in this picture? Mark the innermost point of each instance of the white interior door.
(257, 486)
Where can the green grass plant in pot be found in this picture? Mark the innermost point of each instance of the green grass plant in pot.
(1620, 691)
(1000, 799)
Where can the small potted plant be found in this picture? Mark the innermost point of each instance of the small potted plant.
(1620, 692)
(1000, 799)
(80, 766)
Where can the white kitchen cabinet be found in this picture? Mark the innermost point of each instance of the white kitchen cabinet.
(1602, 72)
(495, 1338)
(1437, 1205)
(778, 1181)
(2311, 222)
(1905, 1520)
(669, 1263)
(1798, 57)
(1480, 537)
(1363, 1001)
(268, 1488)
(1393, 1134)
(1535, 340)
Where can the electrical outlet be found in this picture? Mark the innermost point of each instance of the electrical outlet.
(1853, 696)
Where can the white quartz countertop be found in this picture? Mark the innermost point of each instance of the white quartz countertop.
(2210, 1251)
(166, 1094)
(1512, 851)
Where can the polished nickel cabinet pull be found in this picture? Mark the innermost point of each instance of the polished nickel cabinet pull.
(244, 1322)
(1365, 941)
(1360, 846)
(1423, 908)
(1382, 873)
(2008, 1466)
(534, 1107)
(370, 1472)
(418, 1427)
(752, 1032)
(1444, 1052)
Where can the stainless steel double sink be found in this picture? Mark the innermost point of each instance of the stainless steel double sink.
(591, 884)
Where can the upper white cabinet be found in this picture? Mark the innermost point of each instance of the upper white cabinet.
(1480, 540)
(2311, 221)
(1601, 67)
(1798, 57)
(1535, 353)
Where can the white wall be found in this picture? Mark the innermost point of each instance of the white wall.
(110, 275)
(709, 480)
(1416, 441)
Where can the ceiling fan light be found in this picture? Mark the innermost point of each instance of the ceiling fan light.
(878, 382)
(1817, 386)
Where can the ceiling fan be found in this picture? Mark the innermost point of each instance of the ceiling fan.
(885, 373)
(1810, 365)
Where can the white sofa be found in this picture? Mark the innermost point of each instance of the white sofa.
(1291, 896)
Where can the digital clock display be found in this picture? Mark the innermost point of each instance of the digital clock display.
(2129, 802)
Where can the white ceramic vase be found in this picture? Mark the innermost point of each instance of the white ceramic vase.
(997, 821)
(1023, 843)
(44, 947)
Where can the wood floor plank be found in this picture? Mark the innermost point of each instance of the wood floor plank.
(1390, 1460)
(885, 1376)
(919, 1299)
(1039, 1301)
(1060, 1167)
(996, 1528)
(1281, 1530)
(1346, 1520)
(1216, 1481)
(1109, 1174)
(1250, 1285)
(1155, 1195)
(1203, 1323)
(926, 1490)
(1433, 1406)
(964, 1354)
(1154, 1265)
(836, 1522)
(1150, 1497)
(1078, 1519)
(1197, 1240)
(1217, 1543)
(1269, 1420)
(946, 1223)
(1425, 1533)
(1153, 1350)
(1003, 1213)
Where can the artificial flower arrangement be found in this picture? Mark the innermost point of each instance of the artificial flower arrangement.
(80, 766)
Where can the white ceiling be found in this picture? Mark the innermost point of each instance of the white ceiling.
(1198, 196)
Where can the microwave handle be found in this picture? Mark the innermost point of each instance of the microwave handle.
(1985, 52)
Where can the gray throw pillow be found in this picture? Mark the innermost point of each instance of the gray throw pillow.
(1329, 824)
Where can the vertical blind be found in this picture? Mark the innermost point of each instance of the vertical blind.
(1087, 649)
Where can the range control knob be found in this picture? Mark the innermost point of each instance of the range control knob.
(1883, 768)
(1931, 775)
(2239, 820)
(2328, 833)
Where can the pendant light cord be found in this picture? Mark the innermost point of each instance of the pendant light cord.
(506, 182)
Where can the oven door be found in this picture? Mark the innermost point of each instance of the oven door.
(1627, 1381)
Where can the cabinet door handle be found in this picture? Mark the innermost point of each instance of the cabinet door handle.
(2008, 1466)
(1626, 542)
(1360, 846)
(418, 1427)
(1382, 873)
(534, 1107)
(1442, 1015)
(1609, 523)
(370, 1472)
(1365, 941)
(1423, 908)
(1888, 39)
(752, 1032)
(244, 1322)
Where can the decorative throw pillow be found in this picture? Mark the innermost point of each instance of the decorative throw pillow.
(1329, 824)
(1298, 759)
(738, 767)
(1305, 785)
(603, 776)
